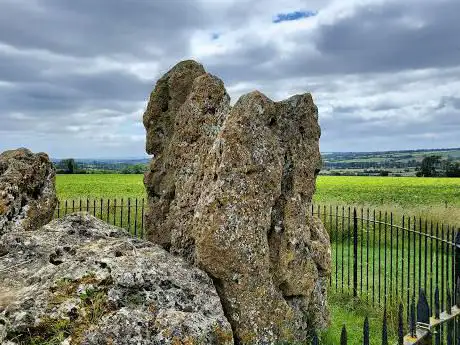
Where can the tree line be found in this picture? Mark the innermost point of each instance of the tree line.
(434, 166)
(70, 166)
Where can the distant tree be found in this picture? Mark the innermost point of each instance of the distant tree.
(134, 169)
(68, 166)
(384, 173)
(452, 169)
(428, 166)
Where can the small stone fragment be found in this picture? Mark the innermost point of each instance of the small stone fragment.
(27, 190)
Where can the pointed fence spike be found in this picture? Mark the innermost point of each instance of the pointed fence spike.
(457, 237)
(457, 293)
(315, 340)
(412, 319)
(400, 325)
(366, 331)
(436, 303)
(450, 332)
(448, 303)
(384, 328)
(423, 310)
(343, 336)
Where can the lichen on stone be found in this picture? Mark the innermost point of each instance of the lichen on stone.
(89, 282)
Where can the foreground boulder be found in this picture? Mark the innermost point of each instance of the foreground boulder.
(27, 190)
(230, 190)
(79, 280)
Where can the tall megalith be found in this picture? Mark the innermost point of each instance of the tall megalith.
(230, 190)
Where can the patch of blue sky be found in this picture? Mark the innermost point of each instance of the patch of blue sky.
(283, 17)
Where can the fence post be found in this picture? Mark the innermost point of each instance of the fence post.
(355, 254)
(423, 316)
(343, 336)
(400, 325)
(315, 340)
(366, 331)
(385, 328)
(412, 322)
(457, 260)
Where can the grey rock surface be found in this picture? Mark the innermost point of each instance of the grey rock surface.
(27, 190)
(79, 280)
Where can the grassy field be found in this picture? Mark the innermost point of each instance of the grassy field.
(395, 191)
(437, 198)
(99, 186)
(433, 198)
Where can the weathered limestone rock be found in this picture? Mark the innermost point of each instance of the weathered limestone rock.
(235, 201)
(27, 190)
(79, 280)
(183, 117)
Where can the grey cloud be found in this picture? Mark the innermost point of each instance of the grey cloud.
(379, 38)
(449, 101)
(390, 132)
(68, 93)
(86, 28)
(67, 86)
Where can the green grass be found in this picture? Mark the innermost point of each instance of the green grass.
(351, 312)
(435, 198)
(393, 276)
(99, 186)
(432, 198)
(395, 191)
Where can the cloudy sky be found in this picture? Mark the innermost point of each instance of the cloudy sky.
(75, 75)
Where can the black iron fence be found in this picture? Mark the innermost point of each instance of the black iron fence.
(384, 261)
(421, 328)
(126, 213)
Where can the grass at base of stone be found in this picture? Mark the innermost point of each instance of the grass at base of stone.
(345, 310)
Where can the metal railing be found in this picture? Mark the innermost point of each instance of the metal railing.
(382, 260)
(126, 213)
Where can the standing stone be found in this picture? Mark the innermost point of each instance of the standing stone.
(183, 117)
(236, 204)
(27, 190)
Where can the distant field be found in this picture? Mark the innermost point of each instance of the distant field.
(397, 191)
(434, 197)
(99, 186)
